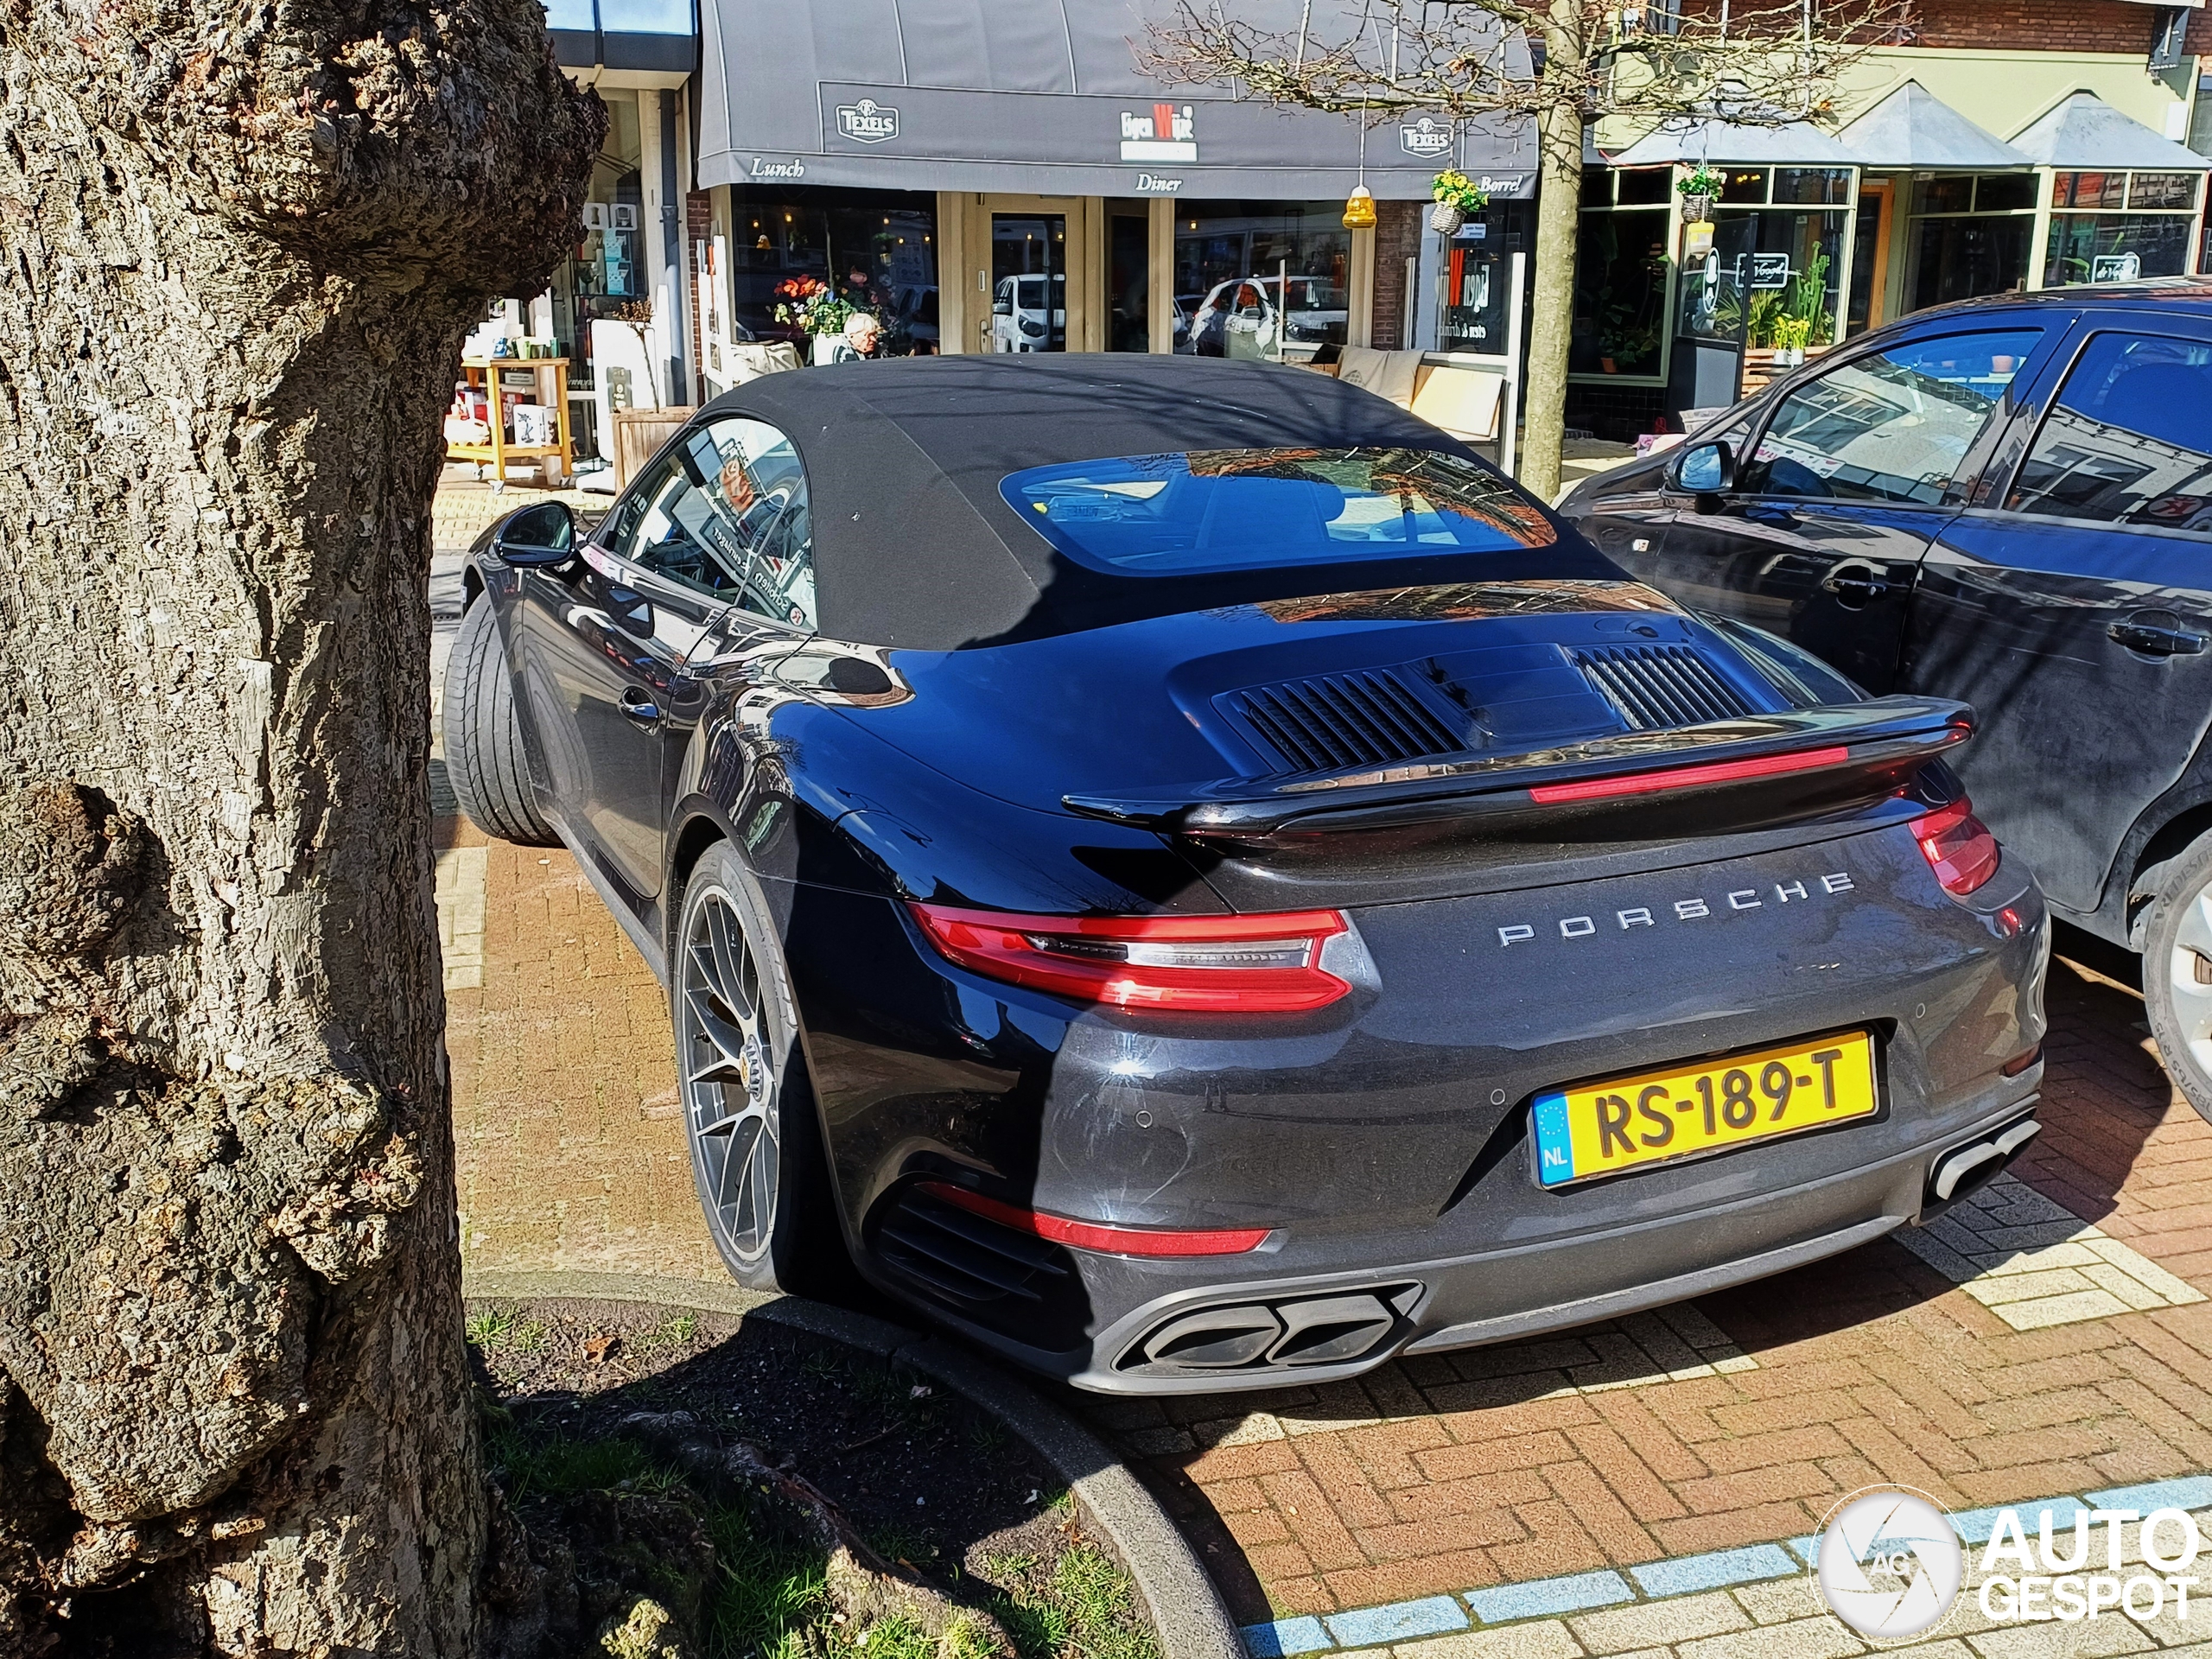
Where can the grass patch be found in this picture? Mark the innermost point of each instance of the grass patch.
(675, 1332)
(555, 1467)
(506, 1327)
(1086, 1608)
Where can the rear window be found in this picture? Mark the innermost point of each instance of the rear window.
(1179, 515)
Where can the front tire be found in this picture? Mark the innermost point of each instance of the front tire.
(756, 1145)
(2178, 976)
(483, 738)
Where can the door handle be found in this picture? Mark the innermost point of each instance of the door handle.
(2157, 641)
(640, 706)
(1856, 590)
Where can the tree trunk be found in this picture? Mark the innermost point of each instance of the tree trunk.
(241, 247)
(1551, 323)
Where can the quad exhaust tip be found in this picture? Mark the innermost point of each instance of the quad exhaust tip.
(1957, 1173)
(1291, 1333)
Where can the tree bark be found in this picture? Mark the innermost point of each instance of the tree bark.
(241, 245)
(1558, 225)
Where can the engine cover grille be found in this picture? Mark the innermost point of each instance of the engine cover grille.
(1364, 717)
(1655, 688)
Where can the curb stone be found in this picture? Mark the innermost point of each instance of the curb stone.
(1178, 1595)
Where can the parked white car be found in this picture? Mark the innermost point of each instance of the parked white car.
(1020, 321)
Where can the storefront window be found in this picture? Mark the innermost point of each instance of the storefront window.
(607, 270)
(2127, 239)
(1971, 236)
(2115, 247)
(1478, 272)
(877, 248)
(1620, 286)
(1260, 279)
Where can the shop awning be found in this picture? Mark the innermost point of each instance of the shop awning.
(1913, 128)
(2085, 133)
(1043, 96)
(1727, 143)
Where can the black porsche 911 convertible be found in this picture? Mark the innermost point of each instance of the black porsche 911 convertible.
(1182, 872)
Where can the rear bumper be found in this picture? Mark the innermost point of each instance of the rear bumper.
(1510, 1293)
(1385, 1143)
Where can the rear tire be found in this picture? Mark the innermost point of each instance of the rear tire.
(2177, 975)
(757, 1153)
(483, 738)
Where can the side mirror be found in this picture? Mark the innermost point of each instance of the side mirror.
(1002, 308)
(537, 536)
(1708, 472)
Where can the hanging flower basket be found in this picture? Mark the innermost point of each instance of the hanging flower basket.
(1457, 197)
(1698, 210)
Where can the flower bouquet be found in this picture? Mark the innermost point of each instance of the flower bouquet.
(809, 303)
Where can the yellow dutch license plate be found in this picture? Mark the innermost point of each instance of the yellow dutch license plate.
(1655, 1117)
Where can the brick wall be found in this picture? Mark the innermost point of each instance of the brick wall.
(2028, 25)
(2035, 25)
(1397, 238)
(698, 231)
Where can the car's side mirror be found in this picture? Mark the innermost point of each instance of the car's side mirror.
(537, 536)
(1708, 472)
(1002, 308)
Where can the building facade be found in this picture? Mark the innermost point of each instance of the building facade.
(986, 175)
(1993, 145)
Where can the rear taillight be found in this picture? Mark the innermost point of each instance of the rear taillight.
(1175, 964)
(1957, 846)
(1096, 1235)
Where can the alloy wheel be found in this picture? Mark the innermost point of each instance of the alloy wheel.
(2189, 978)
(729, 1075)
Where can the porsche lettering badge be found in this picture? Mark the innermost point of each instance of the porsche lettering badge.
(1684, 910)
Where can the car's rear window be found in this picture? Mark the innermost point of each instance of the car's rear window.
(1180, 514)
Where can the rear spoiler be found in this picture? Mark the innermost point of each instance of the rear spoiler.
(1797, 763)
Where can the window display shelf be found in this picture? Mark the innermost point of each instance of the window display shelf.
(490, 380)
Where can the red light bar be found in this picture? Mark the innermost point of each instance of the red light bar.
(1094, 1235)
(1720, 772)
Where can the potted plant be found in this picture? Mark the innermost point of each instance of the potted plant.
(1699, 190)
(1457, 196)
(811, 304)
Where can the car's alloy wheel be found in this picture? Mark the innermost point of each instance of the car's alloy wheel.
(2177, 976)
(748, 1109)
(729, 1079)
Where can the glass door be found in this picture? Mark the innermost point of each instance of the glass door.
(1038, 278)
(1029, 282)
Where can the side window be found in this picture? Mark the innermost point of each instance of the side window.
(725, 512)
(1892, 427)
(2129, 440)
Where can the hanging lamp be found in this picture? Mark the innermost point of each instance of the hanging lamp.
(1359, 206)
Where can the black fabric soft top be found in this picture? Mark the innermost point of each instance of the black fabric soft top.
(914, 546)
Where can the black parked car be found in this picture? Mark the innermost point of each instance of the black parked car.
(1182, 872)
(2007, 502)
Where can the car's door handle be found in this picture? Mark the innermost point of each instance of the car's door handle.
(1856, 590)
(2156, 641)
(640, 705)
